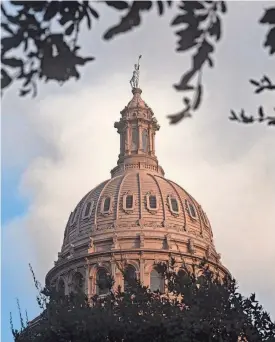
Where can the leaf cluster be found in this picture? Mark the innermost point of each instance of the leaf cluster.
(201, 22)
(46, 53)
(264, 84)
(204, 307)
(269, 19)
(45, 34)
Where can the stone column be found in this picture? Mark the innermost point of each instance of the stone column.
(127, 139)
(141, 270)
(139, 138)
(113, 273)
(153, 142)
(149, 140)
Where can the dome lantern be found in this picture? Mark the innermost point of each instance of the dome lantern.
(137, 128)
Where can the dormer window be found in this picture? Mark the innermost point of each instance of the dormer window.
(152, 203)
(88, 209)
(191, 210)
(173, 205)
(128, 202)
(73, 217)
(106, 206)
(205, 219)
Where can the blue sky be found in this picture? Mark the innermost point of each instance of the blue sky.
(13, 205)
(62, 144)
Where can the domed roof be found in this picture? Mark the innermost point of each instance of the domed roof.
(137, 203)
(137, 101)
(137, 199)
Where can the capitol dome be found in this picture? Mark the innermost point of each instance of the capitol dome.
(137, 215)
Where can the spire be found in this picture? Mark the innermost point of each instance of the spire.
(137, 128)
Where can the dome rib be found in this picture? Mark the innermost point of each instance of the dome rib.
(139, 196)
(119, 193)
(161, 195)
(180, 200)
(194, 202)
(99, 197)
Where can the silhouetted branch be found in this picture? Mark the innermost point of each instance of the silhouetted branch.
(264, 84)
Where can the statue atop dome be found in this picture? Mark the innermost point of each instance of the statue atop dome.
(135, 78)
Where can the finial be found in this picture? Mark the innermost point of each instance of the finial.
(135, 78)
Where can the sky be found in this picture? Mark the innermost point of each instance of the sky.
(60, 145)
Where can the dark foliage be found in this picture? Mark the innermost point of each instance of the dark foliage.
(43, 35)
(264, 84)
(196, 308)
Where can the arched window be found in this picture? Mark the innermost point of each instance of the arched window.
(129, 202)
(192, 210)
(88, 209)
(107, 203)
(73, 216)
(145, 140)
(205, 219)
(152, 202)
(156, 281)
(78, 282)
(129, 278)
(174, 205)
(102, 282)
(134, 138)
(61, 287)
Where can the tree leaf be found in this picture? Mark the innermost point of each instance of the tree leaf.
(261, 113)
(187, 18)
(7, 28)
(81, 61)
(130, 20)
(198, 97)
(69, 30)
(186, 100)
(94, 12)
(224, 8)
(12, 62)
(254, 82)
(215, 29)
(210, 62)
(188, 38)
(233, 116)
(184, 80)
(160, 7)
(267, 80)
(190, 6)
(259, 90)
(52, 10)
(271, 122)
(24, 92)
(9, 43)
(268, 17)
(119, 5)
(270, 40)
(202, 54)
(5, 80)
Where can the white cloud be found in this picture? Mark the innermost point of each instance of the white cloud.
(228, 168)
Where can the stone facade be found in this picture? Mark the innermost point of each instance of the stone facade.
(137, 216)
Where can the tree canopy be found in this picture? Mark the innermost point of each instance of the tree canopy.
(198, 305)
(41, 43)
